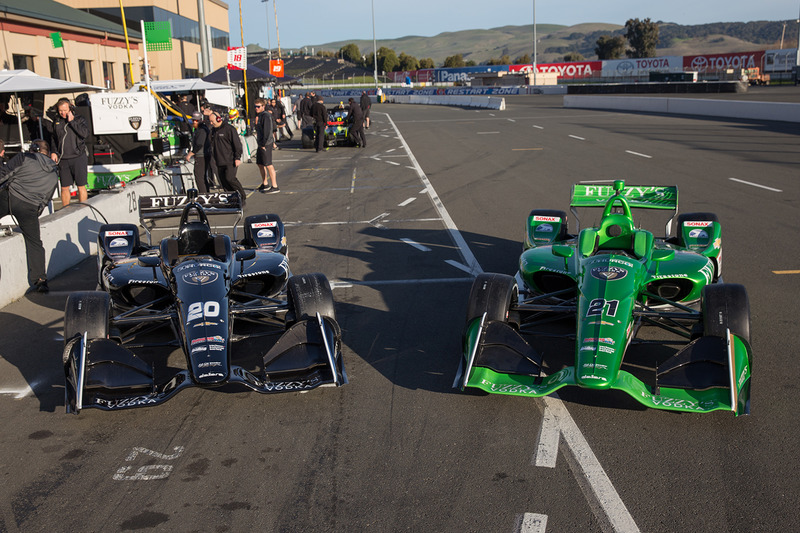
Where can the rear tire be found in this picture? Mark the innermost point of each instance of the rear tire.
(89, 312)
(307, 140)
(492, 294)
(726, 307)
(307, 295)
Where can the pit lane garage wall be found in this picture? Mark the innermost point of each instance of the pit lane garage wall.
(70, 235)
(777, 111)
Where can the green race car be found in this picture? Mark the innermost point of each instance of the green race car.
(605, 283)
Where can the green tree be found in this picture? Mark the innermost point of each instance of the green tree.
(642, 35)
(454, 61)
(387, 60)
(573, 56)
(609, 47)
(408, 62)
(427, 63)
(523, 60)
(470, 63)
(350, 52)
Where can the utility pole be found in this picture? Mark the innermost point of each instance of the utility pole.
(269, 46)
(534, 42)
(374, 45)
(205, 67)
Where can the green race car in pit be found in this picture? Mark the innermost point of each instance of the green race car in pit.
(606, 283)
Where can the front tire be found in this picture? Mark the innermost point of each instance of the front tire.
(725, 307)
(307, 295)
(87, 312)
(493, 294)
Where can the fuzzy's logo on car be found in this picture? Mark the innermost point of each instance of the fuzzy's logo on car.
(609, 273)
(200, 277)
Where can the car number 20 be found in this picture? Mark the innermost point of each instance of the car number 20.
(199, 310)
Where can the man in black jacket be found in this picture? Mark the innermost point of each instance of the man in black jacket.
(27, 183)
(320, 116)
(366, 103)
(227, 148)
(304, 110)
(356, 117)
(201, 150)
(68, 149)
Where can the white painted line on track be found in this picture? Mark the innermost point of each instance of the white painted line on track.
(458, 239)
(606, 504)
(511, 120)
(487, 132)
(576, 137)
(531, 523)
(393, 163)
(458, 266)
(415, 244)
(755, 185)
(538, 127)
(547, 447)
(390, 150)
(406, 202)
(637, 153)
(348, 222)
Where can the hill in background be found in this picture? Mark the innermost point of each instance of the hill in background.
(556, 40)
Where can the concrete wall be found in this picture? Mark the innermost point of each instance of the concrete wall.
(488, 102)
(70, 235)
(777, 111)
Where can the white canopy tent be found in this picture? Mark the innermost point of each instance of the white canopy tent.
(25, 81)
(214, 92)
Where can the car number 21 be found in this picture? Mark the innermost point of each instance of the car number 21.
(597, 305)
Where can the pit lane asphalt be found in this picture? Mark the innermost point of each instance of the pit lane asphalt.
(397, 448)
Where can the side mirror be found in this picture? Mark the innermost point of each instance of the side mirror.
(663, 255)
(562, 250)
(245, 255)
(149, 261)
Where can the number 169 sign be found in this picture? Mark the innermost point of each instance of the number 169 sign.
(237, 58)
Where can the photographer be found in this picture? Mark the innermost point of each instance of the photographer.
(27, 183)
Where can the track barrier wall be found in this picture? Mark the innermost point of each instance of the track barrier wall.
(772, 111)
(486, 102)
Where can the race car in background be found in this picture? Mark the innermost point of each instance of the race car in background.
(205, 294)
(337, 132)
(606, 283)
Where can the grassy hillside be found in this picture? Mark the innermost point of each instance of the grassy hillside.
(556, 40)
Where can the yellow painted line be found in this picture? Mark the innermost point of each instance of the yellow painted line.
(786, 271)
(523, 149)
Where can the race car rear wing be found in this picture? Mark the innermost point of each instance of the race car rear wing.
(165, 206)
(663, 197)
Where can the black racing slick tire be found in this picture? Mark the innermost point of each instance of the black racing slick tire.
(307, 295)
(493, 294)
(725, 307)
(307, 140)
(89, 312)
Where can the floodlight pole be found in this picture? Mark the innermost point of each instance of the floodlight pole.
(534, 42)
(374, 46)
(201, 22)
(269, 45)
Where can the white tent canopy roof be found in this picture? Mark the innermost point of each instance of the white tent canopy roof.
(180, 86)
(21, 81)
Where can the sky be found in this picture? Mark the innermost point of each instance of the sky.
(310, 22)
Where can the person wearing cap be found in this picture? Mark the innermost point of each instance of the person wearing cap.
(227, 149)
(201, 151)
